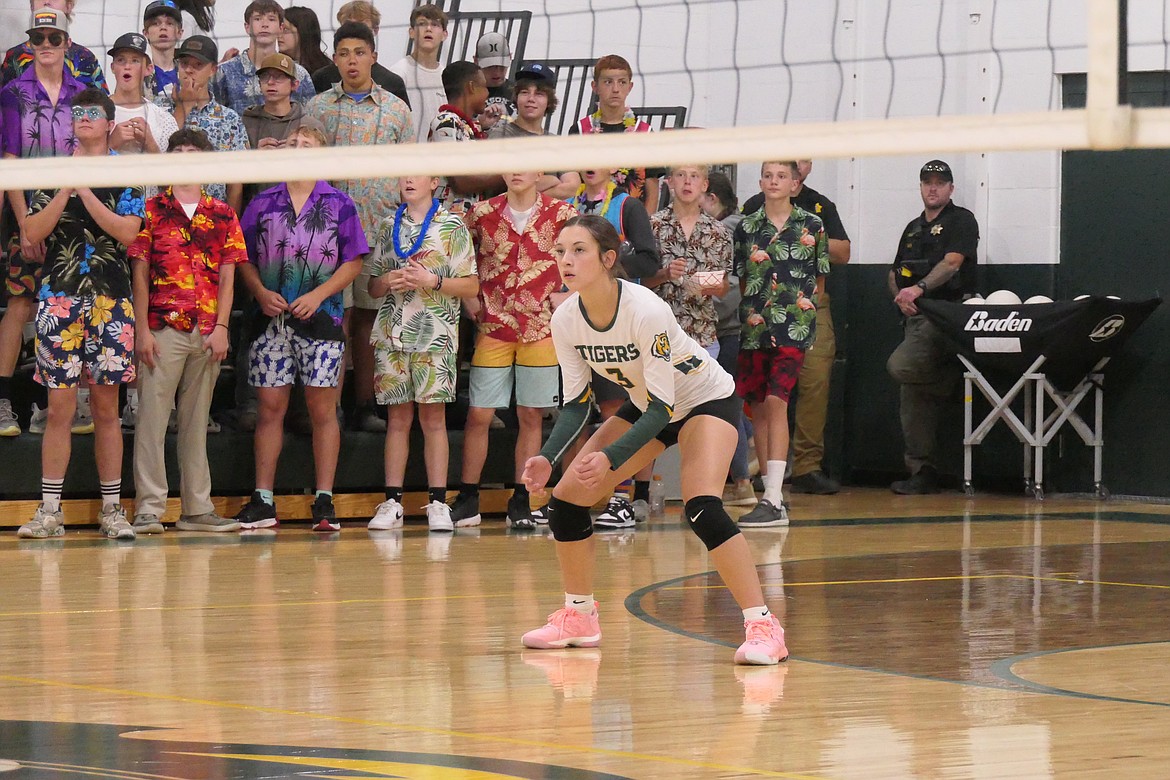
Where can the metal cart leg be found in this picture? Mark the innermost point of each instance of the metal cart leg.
(968, 429)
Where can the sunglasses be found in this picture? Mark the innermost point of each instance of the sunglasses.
(92, 113)
(36, 38)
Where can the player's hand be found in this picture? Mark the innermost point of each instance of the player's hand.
(271, 303)
(146, 348)
(306, 306)
(217, 344)
(591, 469)
(537, 473)
(905, 299)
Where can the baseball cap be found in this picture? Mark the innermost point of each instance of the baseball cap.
(200, 47)
(493, 49)
(49, 19)
(160, 7)
(936, 167)
(132, 41)
(536, 71)
(281, 62)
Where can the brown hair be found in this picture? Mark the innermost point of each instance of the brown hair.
(612, 62)
(360, 11)
(189, 136)
(263, 7)
(719, 186)
(790, 163)
(432, 12)
(605, 235)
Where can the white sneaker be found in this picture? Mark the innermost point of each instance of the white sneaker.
(618, 513)
(439, 517)
(130, 414)
(387, 516)
(36, 423)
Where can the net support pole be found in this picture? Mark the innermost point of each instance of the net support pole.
(1110, 120)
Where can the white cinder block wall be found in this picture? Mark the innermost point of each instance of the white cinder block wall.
(772, 61)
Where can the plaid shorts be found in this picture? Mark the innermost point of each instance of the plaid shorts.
(763, 372)
(85, 340)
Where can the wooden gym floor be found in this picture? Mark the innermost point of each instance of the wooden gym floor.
(931, 637)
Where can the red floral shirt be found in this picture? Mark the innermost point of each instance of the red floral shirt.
(184, 256)
(517, 271)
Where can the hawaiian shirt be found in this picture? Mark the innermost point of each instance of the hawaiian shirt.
(517, 272)
(32, 126)
(223, 127)
(632, 180)
(184, 255)
(237, 86)
(421, 320)
(380, 118)
(161, 82)
(79, 61)
(451, 126)
(297, 253)
(707, 249)
(80, 257)
(779, 270)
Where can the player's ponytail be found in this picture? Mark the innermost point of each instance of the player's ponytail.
(607, 238)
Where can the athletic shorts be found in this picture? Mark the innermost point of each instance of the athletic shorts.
(23, 277)
(729, 409)
(763, 372)
(281, 357)
(606, 390)
(87, 339)
(532, 367)
(421, 377)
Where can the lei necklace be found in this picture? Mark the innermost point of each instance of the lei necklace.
(629, 121)
(580, 200)
(422, 233)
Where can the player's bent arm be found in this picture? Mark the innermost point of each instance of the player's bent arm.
(569, 425)
(650, 424)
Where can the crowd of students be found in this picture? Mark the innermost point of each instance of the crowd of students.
(136, 286)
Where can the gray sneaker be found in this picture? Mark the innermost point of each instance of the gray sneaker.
(765, 515)
(38, 420)
(8, 422)
(113, 524)
(148, 524)
(43, 525)
(208, 521)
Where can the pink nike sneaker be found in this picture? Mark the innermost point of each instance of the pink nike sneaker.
(566, 628)
(765, 643)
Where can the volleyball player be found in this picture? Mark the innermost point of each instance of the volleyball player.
(677, 393)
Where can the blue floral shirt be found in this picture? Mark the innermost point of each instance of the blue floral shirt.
(224, 127)
(237, 86)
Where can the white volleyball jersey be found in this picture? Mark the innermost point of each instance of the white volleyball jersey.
(644, 351)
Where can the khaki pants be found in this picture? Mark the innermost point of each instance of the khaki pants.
(182, 366)
(812, 395)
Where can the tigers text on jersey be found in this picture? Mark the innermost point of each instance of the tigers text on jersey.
(643, 351)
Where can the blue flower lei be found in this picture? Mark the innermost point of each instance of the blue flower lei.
(422, 233)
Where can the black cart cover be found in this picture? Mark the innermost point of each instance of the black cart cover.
(1072, 335)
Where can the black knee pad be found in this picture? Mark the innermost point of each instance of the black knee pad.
(569, 522)
(710, 521)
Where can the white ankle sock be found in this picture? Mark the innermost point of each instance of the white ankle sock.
(582, 603)
(773, 481)
(756, 613)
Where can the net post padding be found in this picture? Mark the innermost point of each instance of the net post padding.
(922, 136)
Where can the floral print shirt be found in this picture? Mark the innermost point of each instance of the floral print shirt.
(297, 253)
(707, 249)
(379, 118)
(237, 86)
(79, 61)
(80, 257)
(184, 255)
(32, 125)
(450, 126)
(517, 271)
(422, 320)
(223, 127)
(779, 270)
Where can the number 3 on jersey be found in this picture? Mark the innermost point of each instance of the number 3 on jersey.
(617, 376)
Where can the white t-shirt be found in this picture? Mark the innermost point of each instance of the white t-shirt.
(520, 218)
(425, 87)
(644, 351)
(162, 125)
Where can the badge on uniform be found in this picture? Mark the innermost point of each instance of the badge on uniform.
(934, 231)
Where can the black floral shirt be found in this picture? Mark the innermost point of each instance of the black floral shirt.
(708, 248)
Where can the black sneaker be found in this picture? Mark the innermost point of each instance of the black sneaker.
(257, 514)
(765, 515)
(618, 513)
(540, 516)
(816, 483)
(465, 510)
(925, 482)
(324, 517)
(519, 513)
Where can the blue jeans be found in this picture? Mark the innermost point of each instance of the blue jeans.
(727, 357)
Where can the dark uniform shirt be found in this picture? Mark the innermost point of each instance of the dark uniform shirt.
(924, 244)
